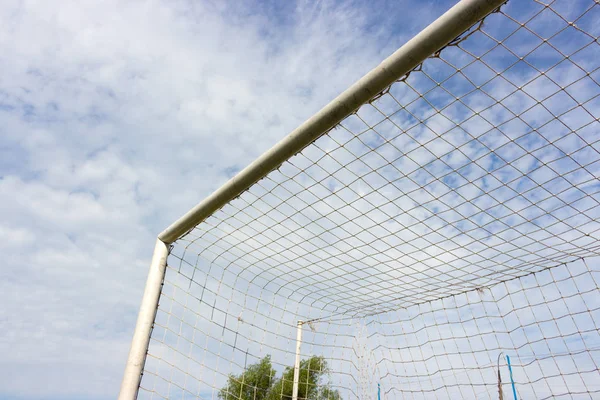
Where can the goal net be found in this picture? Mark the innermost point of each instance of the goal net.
(447, 227)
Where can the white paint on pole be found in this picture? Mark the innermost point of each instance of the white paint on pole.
(145, 321)
(297, 363)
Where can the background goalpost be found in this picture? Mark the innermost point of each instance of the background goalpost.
(436, 220)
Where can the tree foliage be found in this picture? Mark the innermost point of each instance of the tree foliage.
(254, 383)
(259, 382)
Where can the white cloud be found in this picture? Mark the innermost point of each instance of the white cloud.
(115, 118)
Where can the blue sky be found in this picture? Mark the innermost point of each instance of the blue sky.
(115, 118)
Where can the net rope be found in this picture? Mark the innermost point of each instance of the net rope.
(447, 223)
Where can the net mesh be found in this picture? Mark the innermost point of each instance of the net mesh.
(450, 222)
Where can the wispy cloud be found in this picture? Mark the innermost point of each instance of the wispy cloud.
(115, 118)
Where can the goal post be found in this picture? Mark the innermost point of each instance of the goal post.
(143, 327)
(446, 28)
(447, 204)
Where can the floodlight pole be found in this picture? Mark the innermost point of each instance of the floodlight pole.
(297, 363)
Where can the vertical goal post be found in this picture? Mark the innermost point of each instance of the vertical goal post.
(485, 278)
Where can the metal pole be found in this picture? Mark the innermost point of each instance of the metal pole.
(512, 381)
(143, 328)
(437, 35)
(500, 394)
(297, 364)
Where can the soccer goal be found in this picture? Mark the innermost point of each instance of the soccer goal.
(432, 233)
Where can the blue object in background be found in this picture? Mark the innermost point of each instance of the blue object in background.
(512, 382)
(378, 391)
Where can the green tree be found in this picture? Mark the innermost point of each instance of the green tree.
(253, 384)
(258, 382)
(327, 393)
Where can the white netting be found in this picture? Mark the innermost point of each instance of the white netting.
(441, 227)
